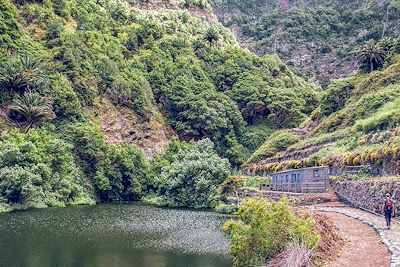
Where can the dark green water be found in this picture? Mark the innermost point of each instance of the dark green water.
(112, 235)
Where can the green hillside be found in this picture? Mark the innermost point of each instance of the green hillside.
(356, 123)
(315, 37)
(93, 91)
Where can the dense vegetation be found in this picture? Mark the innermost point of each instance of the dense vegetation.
(264, 229)
(166, 63)
(316, 37)
(356, 123)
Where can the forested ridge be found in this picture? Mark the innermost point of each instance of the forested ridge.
(88, 86)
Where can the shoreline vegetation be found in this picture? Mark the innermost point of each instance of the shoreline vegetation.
(156, 102)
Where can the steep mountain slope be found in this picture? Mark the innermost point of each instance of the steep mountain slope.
(315, 37)
(356, 123)
(88, 86)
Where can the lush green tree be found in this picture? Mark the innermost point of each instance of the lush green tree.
(211, 36)
(38, 169)
(123, 176)
(371, 56)
(193, 178)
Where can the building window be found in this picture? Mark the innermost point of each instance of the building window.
(287, 178)
(316, 173)
(293, 178)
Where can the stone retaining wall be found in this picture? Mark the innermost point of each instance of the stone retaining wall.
(300, 199)
(369, 194)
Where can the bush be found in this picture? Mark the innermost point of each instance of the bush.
(66, 104)
(227, 208)
(336, 96)
(193, 178)
(264, 229)
(256, 181)
(38, 169)
(123, 176)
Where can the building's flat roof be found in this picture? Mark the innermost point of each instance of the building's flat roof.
(301, 169)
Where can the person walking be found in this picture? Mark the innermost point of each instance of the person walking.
(388, 210)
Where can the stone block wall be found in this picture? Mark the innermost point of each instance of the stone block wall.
(369, 194)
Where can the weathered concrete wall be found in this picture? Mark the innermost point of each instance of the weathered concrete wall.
(369, 194)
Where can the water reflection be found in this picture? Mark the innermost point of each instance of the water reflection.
(113, 235)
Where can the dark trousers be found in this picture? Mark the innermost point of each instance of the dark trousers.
(388, 217)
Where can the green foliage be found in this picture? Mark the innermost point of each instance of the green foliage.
(227, 208)
(124, 174)
(254, 136)
(38, 169)
(66, 104)
(371, 56)
(9, 28)
(64, 56)
(23, 73)
(119, 173)
(326, 31)
(257, 181)
(27, 110)
(211, 36)
(193, 178)
(278, 141)
(264, 229)
(132, 91)
(386, 117)
(336, 96)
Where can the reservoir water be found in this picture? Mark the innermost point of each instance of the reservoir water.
(115, 235)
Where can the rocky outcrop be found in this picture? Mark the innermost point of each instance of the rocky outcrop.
(122, 125)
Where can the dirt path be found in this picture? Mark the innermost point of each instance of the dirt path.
(363, 246)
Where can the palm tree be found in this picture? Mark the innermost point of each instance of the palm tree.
(22, 74)
(27, 110)
(386, 43)
(371, 56)
(211, 36)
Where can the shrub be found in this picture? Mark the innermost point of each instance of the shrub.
(227, 208)
(23, 73)
(336, 96)
(38, 169)
(66, 104)
(264, 229)
(256, 181)
(193, 178)
(123, 176)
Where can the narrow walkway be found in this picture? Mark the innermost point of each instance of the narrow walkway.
(391, 238)
(361, 242)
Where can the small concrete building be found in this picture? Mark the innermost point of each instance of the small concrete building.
(305, 180)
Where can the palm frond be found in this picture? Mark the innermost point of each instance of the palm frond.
(29, 109)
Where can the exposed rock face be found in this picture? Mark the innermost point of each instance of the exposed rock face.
(324, 50)
(122, 125)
